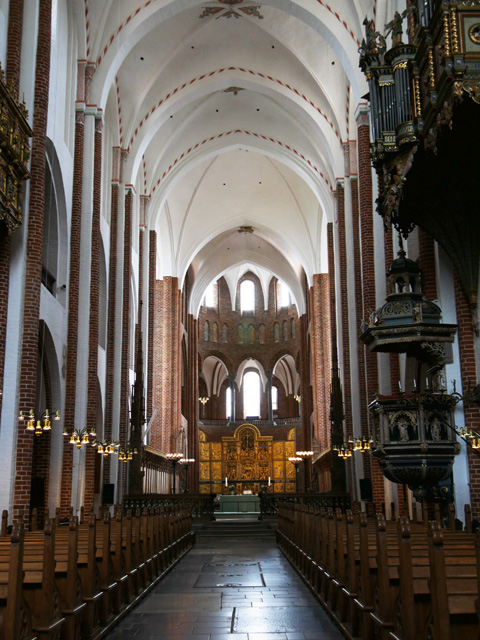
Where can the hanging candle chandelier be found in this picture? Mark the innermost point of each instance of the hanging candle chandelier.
(38, 423)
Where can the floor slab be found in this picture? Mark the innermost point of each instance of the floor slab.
(242, 589)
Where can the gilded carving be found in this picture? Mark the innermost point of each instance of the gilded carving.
(290, 487)
(263, 452)
(263, 471)
(278, 470)
(204, 450)
(291, 434)
(231, 452)
(204, 471)
(278, 450)
(247, 471)
(15, 136)
(216, 451)
(232, 471)
(279, 487)
(290, 468)
(205, 488)
(289, 449)
(217, 471)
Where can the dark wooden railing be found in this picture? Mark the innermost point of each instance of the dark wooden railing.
(269, 502)
(199, 505)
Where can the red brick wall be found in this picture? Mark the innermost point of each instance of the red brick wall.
(14, 46)
(112, 303)
(124, 419)
(152, 274)
(320, 327)
(426, 262)
(233, 353)
(167, 365)
(28, 377)
(73, 302)
(93, 328)
(366, 213)
(468, 369)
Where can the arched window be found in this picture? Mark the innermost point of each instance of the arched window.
(285, 330)
(247, 296)
(228, 402)
(276, 332)
(284, 295)
(225, 332)
(209, 300)
(251, 394)
(274, 399)
(215, 332)
(207, 331)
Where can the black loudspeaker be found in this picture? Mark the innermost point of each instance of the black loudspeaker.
(108, 491)
(37, 493)
(366, 489)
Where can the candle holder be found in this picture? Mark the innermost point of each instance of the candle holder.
(295, 461)
(186, 463)
(174, 458)
(305, 456)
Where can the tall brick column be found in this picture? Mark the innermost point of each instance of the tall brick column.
(112, 304)
(320, 357)
(152, 274)
(366, 213)
(466, 346)
(192, 399)
(167, 365)
(124, 418)
(14, 50)
(94, 308)
(33, 274)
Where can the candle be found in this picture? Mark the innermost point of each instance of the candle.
(226, 481)
(399, 385)
(268, 480)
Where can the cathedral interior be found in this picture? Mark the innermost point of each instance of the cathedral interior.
(239, 256)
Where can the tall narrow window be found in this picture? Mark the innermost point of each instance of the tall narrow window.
(209, 300)
(284, 294)
(251, 394)
(228, 402)
(274, 399)
(247, 296)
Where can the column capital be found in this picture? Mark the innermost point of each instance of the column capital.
(362, 114)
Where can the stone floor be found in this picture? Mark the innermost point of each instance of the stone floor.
(236, 586)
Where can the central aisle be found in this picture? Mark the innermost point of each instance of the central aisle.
(230, 586)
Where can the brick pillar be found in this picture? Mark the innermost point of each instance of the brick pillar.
(33, 272)
(303, 439)
(426, 260)
(192, 399)
(14, 49)
(92, 382)
(319, 327)
(167, 365)
(342, 264)
(366, 213)
(152, 274)
(466, 347)
(124, 421)
(112, 306)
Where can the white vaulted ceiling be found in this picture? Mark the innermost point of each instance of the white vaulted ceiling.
(232, 122)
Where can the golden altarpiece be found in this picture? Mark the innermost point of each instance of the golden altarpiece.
(246, 461)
